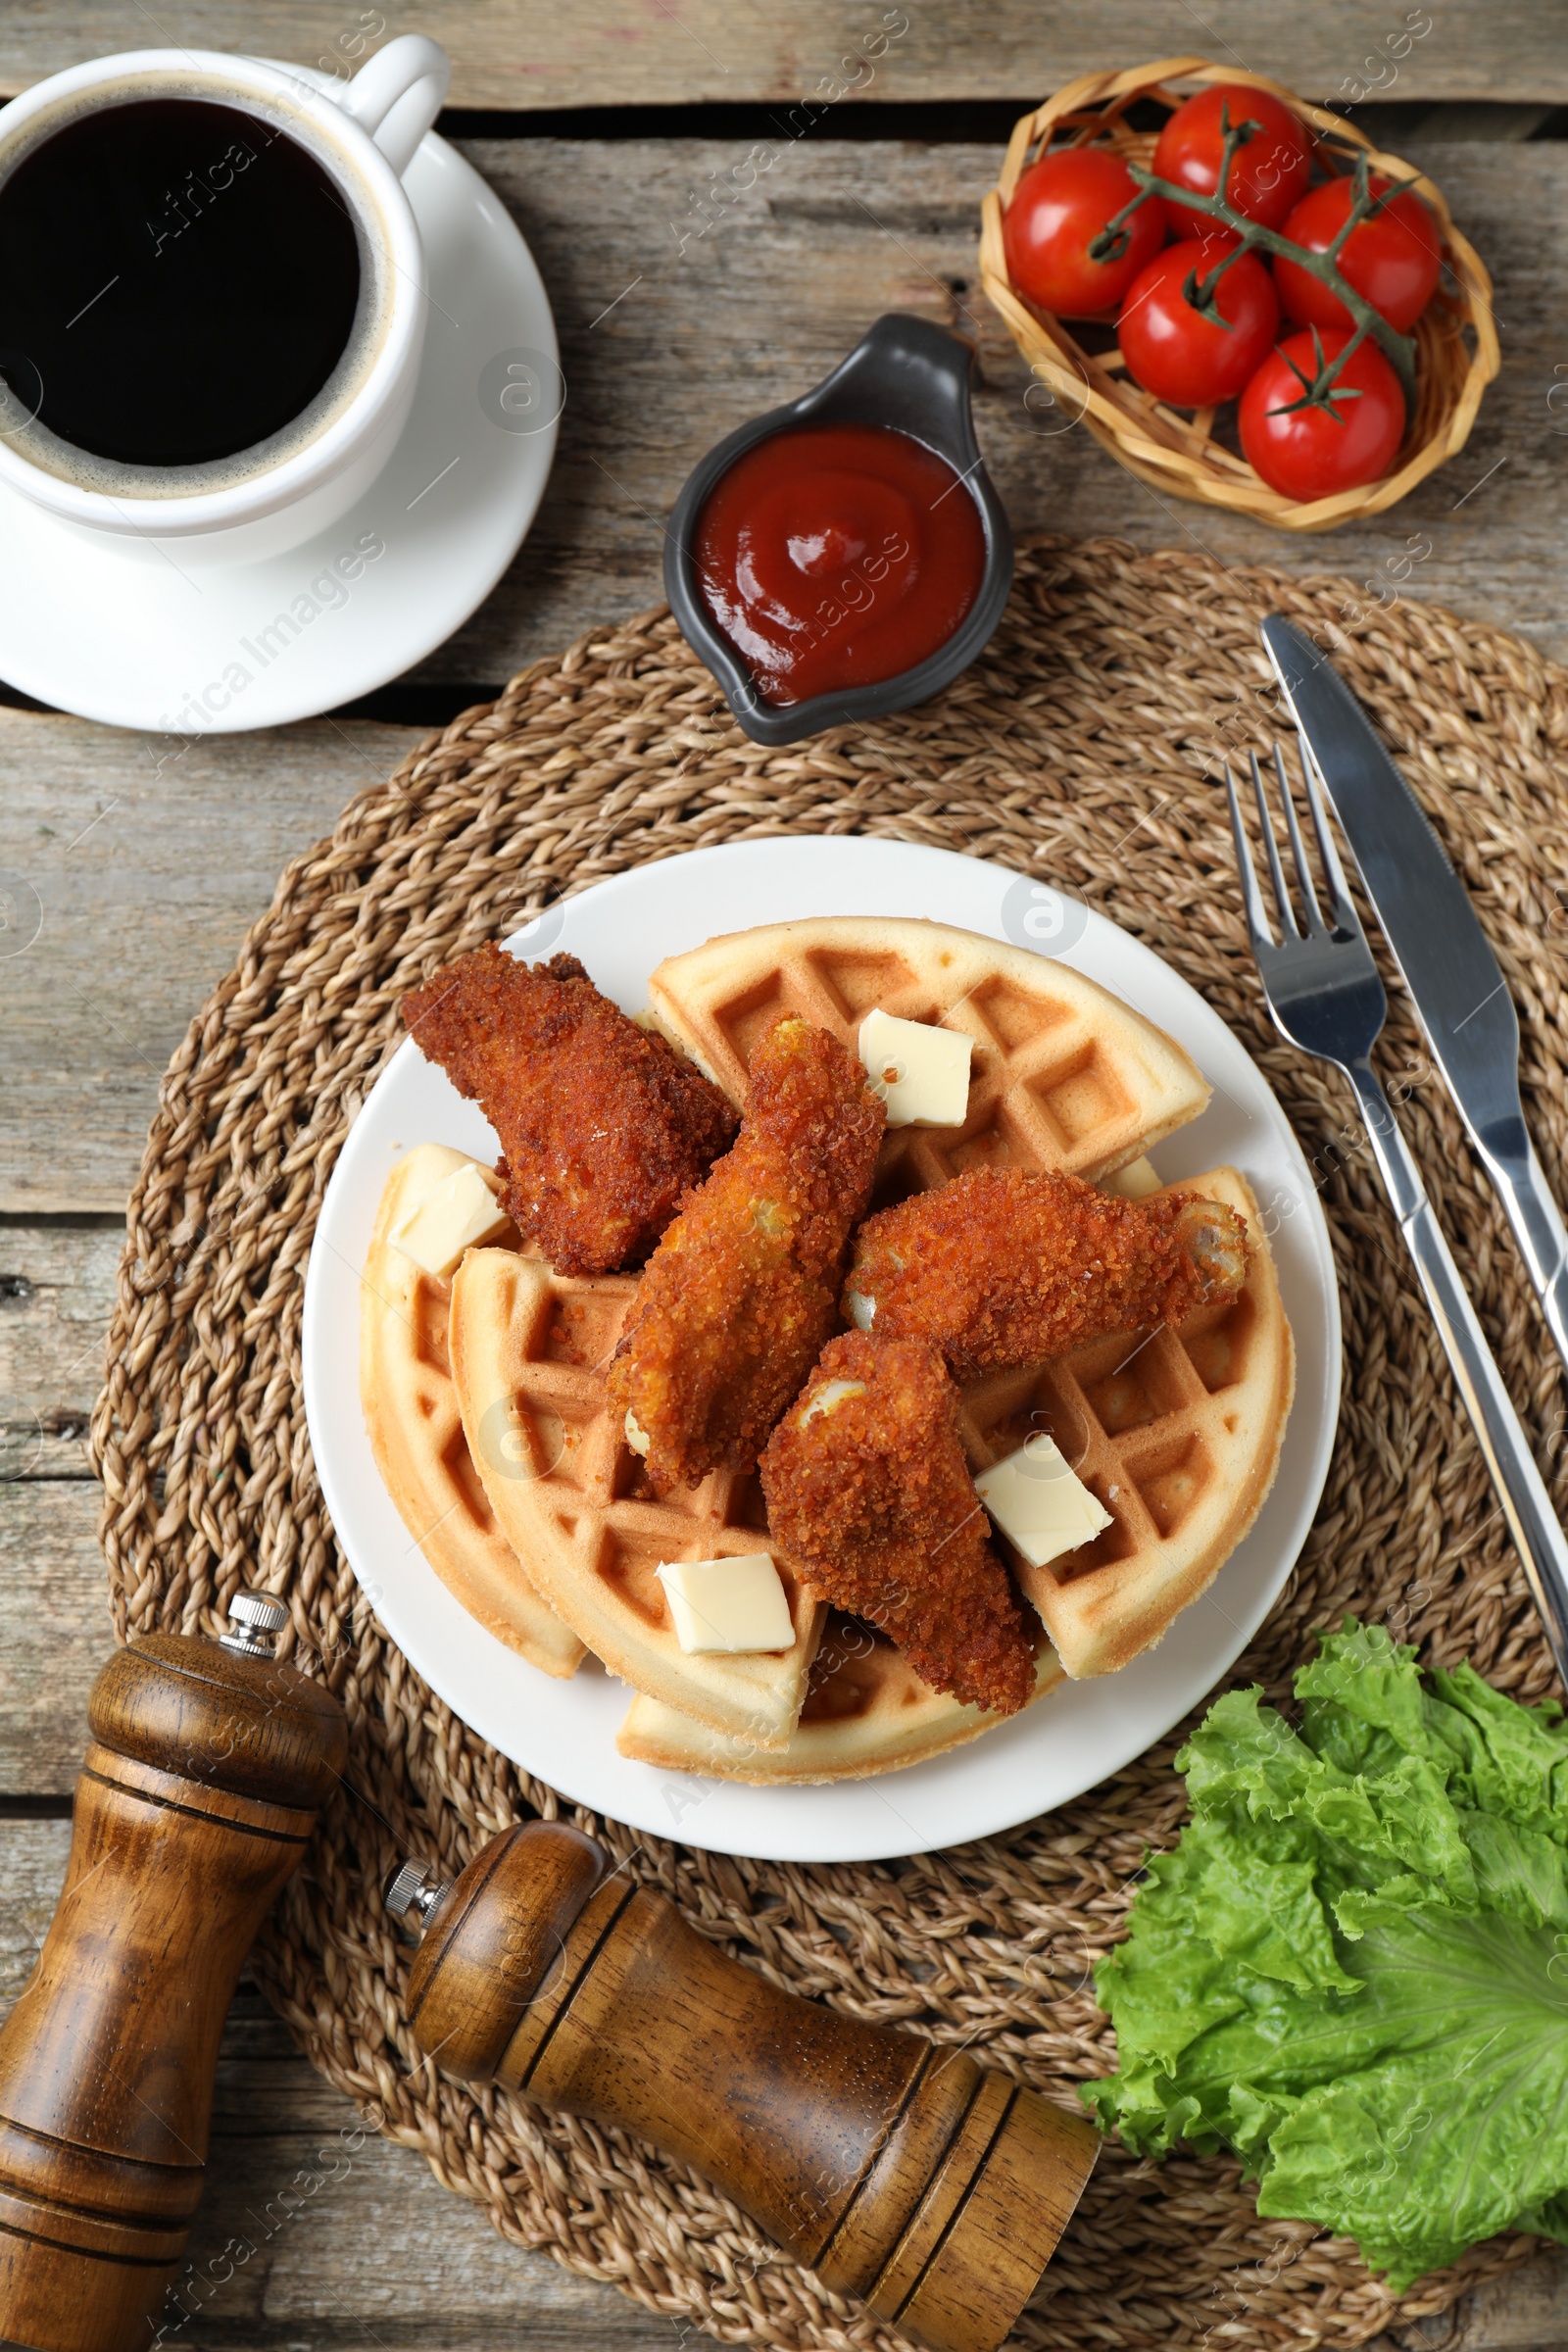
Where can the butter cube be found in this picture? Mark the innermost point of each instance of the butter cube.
(921, 1073)
(1039, 1501)
(427, 1167)
(461, 1213)
(728, 1605)
(1135, 1182)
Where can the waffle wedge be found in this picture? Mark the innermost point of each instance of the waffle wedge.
(866, 1711)
(1177, 1433)
(1063, 1074)
(529, 1354)
(415, 1432)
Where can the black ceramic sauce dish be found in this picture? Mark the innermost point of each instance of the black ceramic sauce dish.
(909, 375)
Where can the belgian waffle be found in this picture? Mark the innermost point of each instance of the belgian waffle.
(1178, 1434)
(866, 1711)
(529, 1351)
(416, 1432)
(1063, 1074)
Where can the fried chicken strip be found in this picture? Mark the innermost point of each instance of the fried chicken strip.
(869, 1493)
(603, 1126)
(1005, 1267)
(742, 1290)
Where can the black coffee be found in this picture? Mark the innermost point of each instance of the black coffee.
(178, 281)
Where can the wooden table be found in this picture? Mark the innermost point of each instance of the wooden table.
(139, 873)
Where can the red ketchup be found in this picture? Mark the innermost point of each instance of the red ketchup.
(838, 554)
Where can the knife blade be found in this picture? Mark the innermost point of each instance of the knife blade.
(1453, 978)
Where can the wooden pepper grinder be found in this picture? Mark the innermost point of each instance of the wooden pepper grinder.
(896, 2171)
(207, 1764)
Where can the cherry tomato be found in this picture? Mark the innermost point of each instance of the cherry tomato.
(1177, 353)
(1310, 453)
(1058, 207)
(1269, 173)
(1393, 259)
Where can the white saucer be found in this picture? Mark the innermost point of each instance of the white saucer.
(565, 1732)
(133, 640)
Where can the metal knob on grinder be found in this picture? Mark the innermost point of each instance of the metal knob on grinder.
(207, 1764)
(912, 2177)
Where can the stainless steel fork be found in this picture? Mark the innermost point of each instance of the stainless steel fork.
(1325, 996)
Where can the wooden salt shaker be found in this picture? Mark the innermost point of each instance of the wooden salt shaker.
(915, 2177)
(207, 1764)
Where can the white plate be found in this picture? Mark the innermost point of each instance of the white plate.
(132, 638)
(565, 1732)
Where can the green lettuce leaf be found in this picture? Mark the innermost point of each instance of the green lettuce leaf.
(1461, 2124)
(1504, 1758)
(1352, 1968)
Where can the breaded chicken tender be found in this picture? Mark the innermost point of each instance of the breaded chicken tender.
(743, 1290)
(603, 1126)
(1006, 1267)
(869, 1493)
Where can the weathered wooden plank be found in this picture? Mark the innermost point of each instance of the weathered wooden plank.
(1481, 119)
(56, 1287)
(789, 271)
(130, 867)
(528, 53)
(55, 1630)
(32, 1866)
(1526, 2312)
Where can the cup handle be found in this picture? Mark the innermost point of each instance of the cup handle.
(396, 96)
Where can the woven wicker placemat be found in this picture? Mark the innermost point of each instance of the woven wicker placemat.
(1077, 750)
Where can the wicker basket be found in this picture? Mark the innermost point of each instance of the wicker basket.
(1456, 340)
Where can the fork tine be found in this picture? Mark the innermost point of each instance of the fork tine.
(1345, 914)
(1288, 926)
(1251, 897)
(1314, 913)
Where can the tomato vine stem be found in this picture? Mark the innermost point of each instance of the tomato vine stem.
(1111, 243)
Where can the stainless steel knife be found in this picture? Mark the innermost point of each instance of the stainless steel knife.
(1442, 951)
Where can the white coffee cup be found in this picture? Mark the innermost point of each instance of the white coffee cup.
(364, 134)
